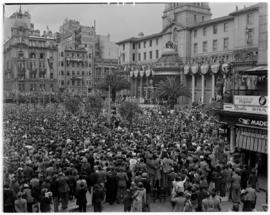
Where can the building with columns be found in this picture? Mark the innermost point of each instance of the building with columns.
(210, 50)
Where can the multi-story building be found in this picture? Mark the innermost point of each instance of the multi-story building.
(209, 49)
(30, 60)
(76, 57)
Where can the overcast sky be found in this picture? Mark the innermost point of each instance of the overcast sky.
(119, 21)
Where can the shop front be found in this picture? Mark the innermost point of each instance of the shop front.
(248, 136)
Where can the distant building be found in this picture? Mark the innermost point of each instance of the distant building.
(76, 54)
(30, 60)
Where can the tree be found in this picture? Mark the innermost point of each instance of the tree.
(116, 82)
(170, 90)
(72, 104)
(129, 110)
(93, 105)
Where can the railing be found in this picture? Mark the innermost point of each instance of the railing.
(249, 92)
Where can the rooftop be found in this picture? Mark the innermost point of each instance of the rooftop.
(211, 21)
(252, 7)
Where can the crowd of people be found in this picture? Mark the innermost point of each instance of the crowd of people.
(53, 158)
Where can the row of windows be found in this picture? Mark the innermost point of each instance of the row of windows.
(34, 87)
(74, 82)
(142, 44)
(76, 64)
(79, 55)
(145, 56)
(73, 73)
(214, 46)
(33, 75)
(215, 30)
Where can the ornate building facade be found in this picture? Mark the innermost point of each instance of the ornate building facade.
(211, 50)
(30, 60)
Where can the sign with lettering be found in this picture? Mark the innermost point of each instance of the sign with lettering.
(253, 122)
(245, 109)
(251, 100)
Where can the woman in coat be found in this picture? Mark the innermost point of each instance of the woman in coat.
(236, 186)
(139, 198)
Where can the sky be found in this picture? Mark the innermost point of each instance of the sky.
(120, 21)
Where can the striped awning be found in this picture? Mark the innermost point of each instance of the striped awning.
(194, 69)
(148, 72)
(225, 67)
(136, 72)
(215, 68)
(142, 73)
(252, 139)
(131, 73)
(186, 69)
(204, 69)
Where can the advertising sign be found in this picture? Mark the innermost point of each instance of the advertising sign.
(252, 122)
(245, 109)
(260, 101)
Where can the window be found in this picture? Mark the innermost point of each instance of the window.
(204, 46)
(157, 42)
(150, 54)
(204, 31)
(73, 73)
(139, 56)
(139, 45)
(62, 54)
(78, 72)
(250, 36)
(62, 63)
(214, 45)
(250, 19)
(195, 33)
(51, 75)
(195, 18)
(124, 57)
(202, 18)
(62, 83)
(214, 29)
(150, 43)
(134, 46)
(144, 55)
(133, 57)
(195, 47)
(157, 54)
(21, 87)
(226, 27)
(144, 44)
(226, 43)
(82, 73)
(123, 46)
(62, 72)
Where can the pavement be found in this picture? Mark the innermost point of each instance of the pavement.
(163, 206)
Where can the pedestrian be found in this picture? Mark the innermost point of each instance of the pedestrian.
(8, 199)
(98, 197)
(45, 200)
(236, 186)
(180, 201)
(20, 204)
(139, 198)
(81, 196)
(127, 201)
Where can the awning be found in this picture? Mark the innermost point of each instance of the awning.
(148, 72)
(204, 69)
(252, 139)
(225, 67)
(259, 70)
(186, 69)
(131, 73)
(141, 73)
(194, 69)
(215, 68)
(136, 73)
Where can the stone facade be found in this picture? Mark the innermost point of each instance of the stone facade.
(211, 49)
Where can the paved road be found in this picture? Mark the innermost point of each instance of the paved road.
(163, 206)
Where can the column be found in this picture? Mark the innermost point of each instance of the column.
(202, 97)
(193, 89)
(232, 138)
(213, 87)
(141, 87)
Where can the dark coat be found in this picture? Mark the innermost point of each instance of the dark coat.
(81, 196)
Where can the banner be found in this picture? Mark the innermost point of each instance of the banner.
(260, 101)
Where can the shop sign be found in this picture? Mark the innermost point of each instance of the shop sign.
(252, 122)
(245, 109)
(260, 101)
